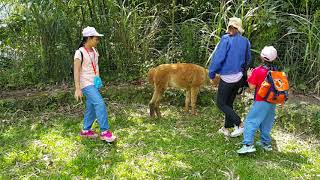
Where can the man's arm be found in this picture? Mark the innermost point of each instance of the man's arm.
(219, 57)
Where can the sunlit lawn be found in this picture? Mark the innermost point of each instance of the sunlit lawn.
(46, 144)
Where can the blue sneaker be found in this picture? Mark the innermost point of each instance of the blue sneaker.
(246, 149)
(266, 147)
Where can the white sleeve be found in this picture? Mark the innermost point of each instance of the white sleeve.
(77, 55)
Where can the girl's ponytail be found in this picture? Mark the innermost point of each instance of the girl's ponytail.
(84, 39)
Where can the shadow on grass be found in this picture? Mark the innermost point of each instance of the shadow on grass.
(175, 146)
(191, 148)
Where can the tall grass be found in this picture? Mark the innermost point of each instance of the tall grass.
(304, 66)
(141, 34)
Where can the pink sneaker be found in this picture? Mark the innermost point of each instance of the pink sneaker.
(88, 133)
(107, 136)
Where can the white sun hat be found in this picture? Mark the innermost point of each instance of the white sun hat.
(90, 31)
(269, 53)
(237, 23)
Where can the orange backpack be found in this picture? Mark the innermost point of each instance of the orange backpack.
(274, 88)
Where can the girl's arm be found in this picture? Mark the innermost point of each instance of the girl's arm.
(249, 72)
(76, 72)
(252, 86)
(98, 73)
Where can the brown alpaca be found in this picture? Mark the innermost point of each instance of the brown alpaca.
(182, 76)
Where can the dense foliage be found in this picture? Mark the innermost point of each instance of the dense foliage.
(38, 38)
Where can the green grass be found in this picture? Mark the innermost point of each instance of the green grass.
(45, 144)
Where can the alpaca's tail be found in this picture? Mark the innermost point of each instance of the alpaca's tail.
(151, 75)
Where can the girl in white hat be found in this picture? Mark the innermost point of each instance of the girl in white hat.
(261, 114)
(88, 82)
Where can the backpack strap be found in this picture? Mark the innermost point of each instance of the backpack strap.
(81, 57)
(271, 67)
(272, 88)
(72, 66)
(269, 80)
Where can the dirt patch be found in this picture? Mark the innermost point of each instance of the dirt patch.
(301, 98)
(17, 94)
